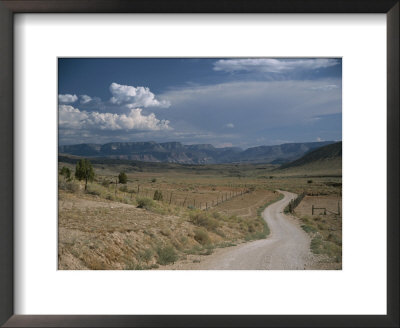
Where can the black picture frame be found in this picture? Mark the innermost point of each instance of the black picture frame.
(7, 10)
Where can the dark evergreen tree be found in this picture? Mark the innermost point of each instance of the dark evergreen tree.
(122, 178)
(65, 172)
(84, 171)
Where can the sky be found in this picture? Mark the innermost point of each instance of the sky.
(239, 102)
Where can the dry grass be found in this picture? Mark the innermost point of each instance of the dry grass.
(332, 203)
(104, 229)
(325, 230)
(98, 234)
(246, 206)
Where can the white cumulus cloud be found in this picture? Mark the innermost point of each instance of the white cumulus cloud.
(270, 65)
(67, 98)
(230, 125)
(84, 99)
(134, 96)
(73, 118)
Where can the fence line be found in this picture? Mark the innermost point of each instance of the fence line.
(172, 198)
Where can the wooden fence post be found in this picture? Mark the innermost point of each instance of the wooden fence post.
(312, 211)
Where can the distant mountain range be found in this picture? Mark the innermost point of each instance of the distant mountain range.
(175, 152)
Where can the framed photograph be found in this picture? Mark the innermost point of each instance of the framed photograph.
(197, 184)
(197, 164)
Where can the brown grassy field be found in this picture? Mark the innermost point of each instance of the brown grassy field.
(324, 229)
(103, 228)
(246, 206)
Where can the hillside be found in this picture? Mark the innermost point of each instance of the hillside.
(175, 152)
(323, 160)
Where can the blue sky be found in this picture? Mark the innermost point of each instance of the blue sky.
(240, 102)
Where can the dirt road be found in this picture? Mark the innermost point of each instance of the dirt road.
(286, 248)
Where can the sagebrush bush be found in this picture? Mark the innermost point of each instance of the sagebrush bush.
(105, 183)
(204, 220)
(308, 228)
(69, 186)
(123, 188)
(144, 202)
(216, 215)
(202, 237)
(92, 191)
(158, 195)
(110, 197)
(146, 255)
(166, 255)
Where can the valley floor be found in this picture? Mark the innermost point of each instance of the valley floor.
(203, 214)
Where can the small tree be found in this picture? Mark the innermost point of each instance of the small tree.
(65, 172)
(84, 171)
(122, 178)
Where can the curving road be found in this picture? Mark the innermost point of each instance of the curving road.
(286, 248)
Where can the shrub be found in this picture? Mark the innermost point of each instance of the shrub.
(251, 228)
(309, 181)
(146, 255)
(203, 220)
(233, 218)
(216, 215)
(144, 202)
(209, 249)
(256, 235)
(308, 228)
(316, 244)
(110, 197)
(153, 180)
(69, 186)
(158, 195)
(123, 188)
(201, 236)
(93, 192)
(105, 183)
(122, 178)
(166, 255)
(66, 173)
